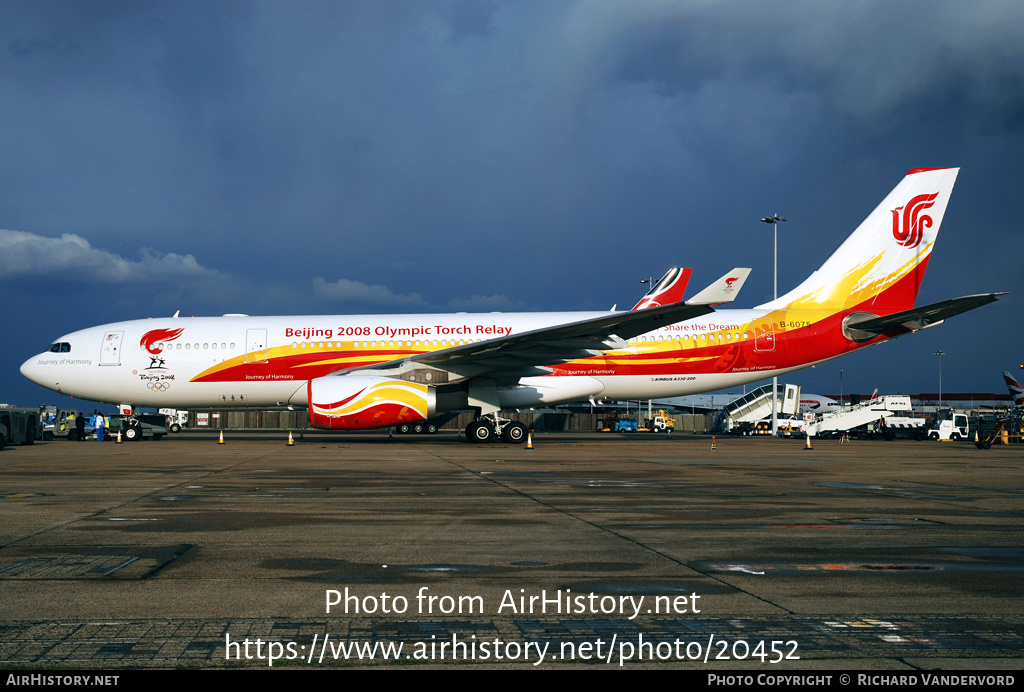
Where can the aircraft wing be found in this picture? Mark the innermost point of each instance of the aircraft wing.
(918, 318)
(526, 353)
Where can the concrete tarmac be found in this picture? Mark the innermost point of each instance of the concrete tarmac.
(590, 549)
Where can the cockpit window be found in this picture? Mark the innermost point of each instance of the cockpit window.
(61, 347)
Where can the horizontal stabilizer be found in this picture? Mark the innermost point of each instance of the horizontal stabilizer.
(724, 290)
(868, 327)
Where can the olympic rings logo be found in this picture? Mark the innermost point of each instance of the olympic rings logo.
(159, 386)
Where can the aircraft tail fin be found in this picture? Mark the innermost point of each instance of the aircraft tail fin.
(878, 269)
(724, 290)
(669, 289)
(1016, 391)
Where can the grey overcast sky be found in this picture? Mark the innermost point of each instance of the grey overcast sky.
(444, 155)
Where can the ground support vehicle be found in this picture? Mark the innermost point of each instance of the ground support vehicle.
(870, 418)
(950, 426)
(756, 406)
(176, 418)
(63, 425)
(899, 427)
(21, 425)
(660, 423)
(999, 431)
(747, 428)
(137, 427)
(616, 424)
(788, 425)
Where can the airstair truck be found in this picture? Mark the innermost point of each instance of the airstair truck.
(902, 424)
(756, 405)
(868, 417)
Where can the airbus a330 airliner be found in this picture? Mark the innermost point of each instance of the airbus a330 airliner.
(374, 371)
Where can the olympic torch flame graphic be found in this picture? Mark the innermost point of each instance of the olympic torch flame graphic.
(149, 340)
(912, 230)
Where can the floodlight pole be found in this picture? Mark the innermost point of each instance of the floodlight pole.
(774, 221)
(940, 353)
(650, 282)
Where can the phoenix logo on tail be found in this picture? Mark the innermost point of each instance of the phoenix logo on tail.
(909, 236)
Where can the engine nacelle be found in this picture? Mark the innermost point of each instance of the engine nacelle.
(358, 402)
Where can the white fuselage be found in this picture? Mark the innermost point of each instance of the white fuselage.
(267, 361)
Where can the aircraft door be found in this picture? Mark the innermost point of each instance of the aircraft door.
(764, 335)
(255, 345)
(110, 354)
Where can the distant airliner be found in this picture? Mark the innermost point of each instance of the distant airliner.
(373, 371)
(1016, 391)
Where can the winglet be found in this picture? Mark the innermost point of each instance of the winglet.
(724, 290)
(669, 289)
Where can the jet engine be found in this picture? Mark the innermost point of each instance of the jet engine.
(355, 402)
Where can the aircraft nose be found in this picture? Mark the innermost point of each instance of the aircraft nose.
(30, 369)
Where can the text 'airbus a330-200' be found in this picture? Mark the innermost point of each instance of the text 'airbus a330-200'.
(376, 371)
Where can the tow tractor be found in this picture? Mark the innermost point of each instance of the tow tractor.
(660, 423)
(951, 426)
(21, 425)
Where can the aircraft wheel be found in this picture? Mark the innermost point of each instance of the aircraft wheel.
(479, 431)
(514, 433)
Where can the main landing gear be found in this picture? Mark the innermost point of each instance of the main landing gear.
(491, 427)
